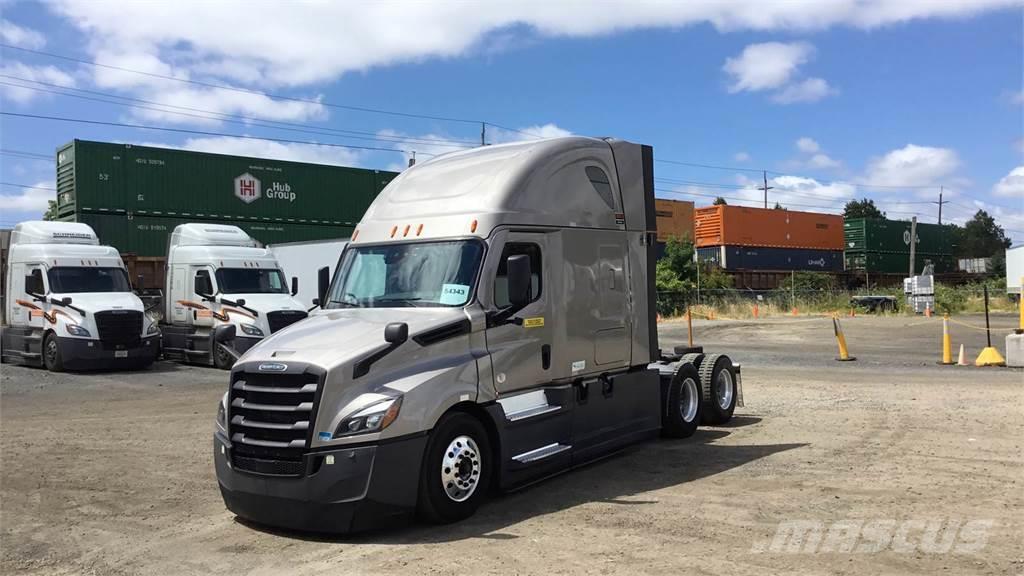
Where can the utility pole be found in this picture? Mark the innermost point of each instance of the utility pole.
(913, 243)
(483, 133)
(940, 203)
(412, 159)
(766, 187)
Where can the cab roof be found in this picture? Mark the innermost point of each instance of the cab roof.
(211, 235)
(41, 232)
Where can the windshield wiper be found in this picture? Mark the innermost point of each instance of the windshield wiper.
(408, 301)
(343, 303)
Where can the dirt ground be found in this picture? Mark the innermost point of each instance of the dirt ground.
(112, 474)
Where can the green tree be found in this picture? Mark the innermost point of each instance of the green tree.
(51, 210)
(779, 206)
(982, 237)
(862, 209)
(719, 201)
(678, 260)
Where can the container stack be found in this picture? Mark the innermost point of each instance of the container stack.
(741, 238)
(674, 219)
(134, 196)
(880, 246)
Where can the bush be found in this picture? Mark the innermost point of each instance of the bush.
(949, 299)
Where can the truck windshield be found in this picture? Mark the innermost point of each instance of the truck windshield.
(69, 279)
(251, 281)
(416, 274)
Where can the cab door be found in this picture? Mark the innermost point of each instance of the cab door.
(203, 314)
(520, 353)
(37, 314)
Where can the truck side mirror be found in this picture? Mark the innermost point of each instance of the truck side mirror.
(66, 301)
(203, 286)
(323, 282)
(34, 284)
(138, 282)
(396, 333)
(240, 301)
(224, 333)
(520, 285)
(295, 285)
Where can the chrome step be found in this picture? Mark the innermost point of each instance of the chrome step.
(528, 405)
(541, 453)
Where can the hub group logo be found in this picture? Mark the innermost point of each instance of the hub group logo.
(249, 189)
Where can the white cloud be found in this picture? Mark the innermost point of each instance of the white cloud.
(16, 35)
(766, 66)
(807, 145)
(48, 74)
(809, 90)
(741, 157)
(314, 153)
(279, 45)
(914, 165)
(35, 199)
(1011, 185)
(823, 161)
(549, 130)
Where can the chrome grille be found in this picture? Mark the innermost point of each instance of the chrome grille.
(270, 419)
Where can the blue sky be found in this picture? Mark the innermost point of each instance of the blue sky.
(842, 99)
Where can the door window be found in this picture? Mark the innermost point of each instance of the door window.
(35, 282)
(501, 278)
(209, 279)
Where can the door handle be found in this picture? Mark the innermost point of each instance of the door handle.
(545, 356)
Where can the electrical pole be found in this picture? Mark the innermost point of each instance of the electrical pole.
(913, 243)
(766, 187)
(483, 133)
(940, 203)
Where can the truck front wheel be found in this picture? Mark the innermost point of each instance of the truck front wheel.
(456, 469)
(51, 354)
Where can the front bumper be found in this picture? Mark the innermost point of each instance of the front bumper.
(366, 487)
(84, 354)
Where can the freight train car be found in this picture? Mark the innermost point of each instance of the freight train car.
(881, 246)
(134, 196)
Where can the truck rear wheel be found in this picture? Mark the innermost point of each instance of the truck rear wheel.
(456, 469)
(681, 414)
(52, 360)
(719, 376)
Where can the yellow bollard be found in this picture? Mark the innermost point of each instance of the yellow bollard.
(1020, 302)
(844, 354)
(689, 326)
(947, 345)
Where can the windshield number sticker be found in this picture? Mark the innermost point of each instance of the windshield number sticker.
(454, 294)
(537, 322)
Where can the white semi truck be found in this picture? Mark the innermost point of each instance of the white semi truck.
(491, 323)
(305, 259)
(70, 303)
(217, 275)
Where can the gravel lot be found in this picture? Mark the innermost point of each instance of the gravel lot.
(112, 473)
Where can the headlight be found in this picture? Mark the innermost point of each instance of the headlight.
(76, 330)
(373, 418)
(222, 412)
(153, 329)
(251, 330)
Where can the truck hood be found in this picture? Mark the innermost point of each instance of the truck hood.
(98, 301)
(264, 303)
(336, 337)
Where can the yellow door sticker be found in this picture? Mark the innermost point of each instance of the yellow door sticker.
(537, 322)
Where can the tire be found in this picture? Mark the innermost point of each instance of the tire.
(719, 377)
(460, 438)
(694, 358)
(221, 359)
(52, 360)
(682, 411)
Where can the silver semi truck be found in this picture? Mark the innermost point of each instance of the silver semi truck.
(491, 323)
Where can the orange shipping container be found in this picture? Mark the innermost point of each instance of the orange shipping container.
(742, 226)
(673, 218)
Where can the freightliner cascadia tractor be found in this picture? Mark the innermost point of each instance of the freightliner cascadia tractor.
(491, 323)
(70, 304)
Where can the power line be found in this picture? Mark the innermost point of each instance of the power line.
(235, 118)
(244, 90)
(16, 185)
(203, 132)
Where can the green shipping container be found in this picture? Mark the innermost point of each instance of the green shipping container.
(147, 235)
(895, 263)
(880, 235)
(105, 178)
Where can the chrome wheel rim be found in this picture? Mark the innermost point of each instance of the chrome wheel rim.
(725, 389)
(688, 400)
(460, 469)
